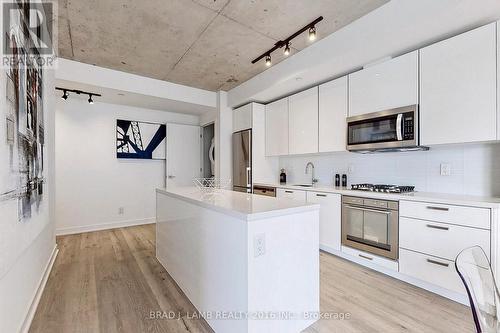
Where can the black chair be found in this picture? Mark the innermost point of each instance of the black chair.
(475, 271)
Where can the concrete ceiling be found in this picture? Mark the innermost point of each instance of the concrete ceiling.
(200, 43)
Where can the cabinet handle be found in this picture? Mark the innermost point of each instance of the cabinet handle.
(365, 257)
(443, 209)
(321, 195)
(437, 227)
(437, 263)
(288, 191)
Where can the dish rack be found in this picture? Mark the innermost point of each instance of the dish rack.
(212, 185)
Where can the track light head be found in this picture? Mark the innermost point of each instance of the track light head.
(268, 60)
(91, 101)
(65, 95)
(286, 52)
(312, 33)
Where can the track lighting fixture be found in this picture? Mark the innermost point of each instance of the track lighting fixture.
(78, 92)
(287, 49)
(311, 27)
(312, 33)
(268, 60)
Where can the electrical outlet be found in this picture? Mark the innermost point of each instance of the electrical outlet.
(121, 210)
(445, 169)
(259, 245)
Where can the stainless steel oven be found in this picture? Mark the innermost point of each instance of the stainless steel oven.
(389, 130)
(371, 225)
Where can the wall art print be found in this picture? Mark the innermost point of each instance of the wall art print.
(140, 140)
(25, 128)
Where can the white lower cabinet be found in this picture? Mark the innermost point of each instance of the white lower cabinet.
(440, 239)
(291, 194)
(438, 271)
(329, 218)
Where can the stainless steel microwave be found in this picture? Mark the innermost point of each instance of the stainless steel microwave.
(389, 130)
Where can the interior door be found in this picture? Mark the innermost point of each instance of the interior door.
(183, 154)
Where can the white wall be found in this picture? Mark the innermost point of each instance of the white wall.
(25, 247)
(475, 169)
(223, 139)
(91, 183)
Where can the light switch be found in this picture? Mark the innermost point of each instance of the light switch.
(445, 169)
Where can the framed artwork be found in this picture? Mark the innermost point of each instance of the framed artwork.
(140, 140)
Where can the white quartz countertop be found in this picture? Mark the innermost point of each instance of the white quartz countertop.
(241, 205)
(451, 199)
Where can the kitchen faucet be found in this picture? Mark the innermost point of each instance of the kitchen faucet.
(313, 180)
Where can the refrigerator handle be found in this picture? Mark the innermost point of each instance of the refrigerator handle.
(249, 175)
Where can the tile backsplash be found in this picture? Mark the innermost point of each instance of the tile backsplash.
(475, 169)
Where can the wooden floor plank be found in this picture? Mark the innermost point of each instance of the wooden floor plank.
(110, 281)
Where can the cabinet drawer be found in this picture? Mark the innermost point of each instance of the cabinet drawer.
(461, 215)
(291, 194)
(430, 269)
(440, 239)
(370, 258)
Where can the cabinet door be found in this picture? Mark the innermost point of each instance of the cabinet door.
(291, 194)
(458, 88)
(242, 118)
(387, 85)
(277, 128)
(329, 219)
(303, 130)
(332, 115)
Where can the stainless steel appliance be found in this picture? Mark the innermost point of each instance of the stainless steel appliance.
(383, 188)
(242, 161)
(371, 225)
(389, 130)
(264, 190)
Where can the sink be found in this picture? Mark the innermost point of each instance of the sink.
(303, 185)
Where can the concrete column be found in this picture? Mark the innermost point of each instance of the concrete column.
(223, 138)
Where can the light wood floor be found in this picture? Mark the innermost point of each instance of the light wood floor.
(109, 281)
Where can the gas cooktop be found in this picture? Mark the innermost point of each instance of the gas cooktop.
(383, 188)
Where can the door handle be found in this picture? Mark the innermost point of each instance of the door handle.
(444, 209)
(321, 195)
(288, 191)
(437, 227)
(437, 263)
(249, 175)
(387, 212)
(399, 127)
(365, 257)
(171, 177)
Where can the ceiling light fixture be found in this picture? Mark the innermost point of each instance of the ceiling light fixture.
(268, 60)
(78, 92)
(312, 33)
(287, 49)
(311, 27)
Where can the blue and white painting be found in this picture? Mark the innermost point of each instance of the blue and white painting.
(140, 140)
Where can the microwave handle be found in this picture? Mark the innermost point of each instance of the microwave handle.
(399, 127)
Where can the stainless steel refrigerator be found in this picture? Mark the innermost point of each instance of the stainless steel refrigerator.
(242, 161)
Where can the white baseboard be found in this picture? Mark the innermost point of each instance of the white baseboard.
(104, 226)
(39, 291)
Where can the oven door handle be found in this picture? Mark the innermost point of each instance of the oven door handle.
(399, 127)
(387, 212)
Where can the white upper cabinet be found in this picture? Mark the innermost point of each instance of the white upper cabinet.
(383, 86)
(242, 118)
(303, 117)
(458, 88)
(277, 128)
(332, 115)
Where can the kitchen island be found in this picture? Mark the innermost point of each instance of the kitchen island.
(248, 263)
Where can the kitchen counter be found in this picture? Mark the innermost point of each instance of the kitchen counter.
(240, 205)
(235, 256)
(444, 198)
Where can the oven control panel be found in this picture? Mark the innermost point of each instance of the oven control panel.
(408, 126)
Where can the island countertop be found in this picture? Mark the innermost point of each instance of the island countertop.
(243, 206)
